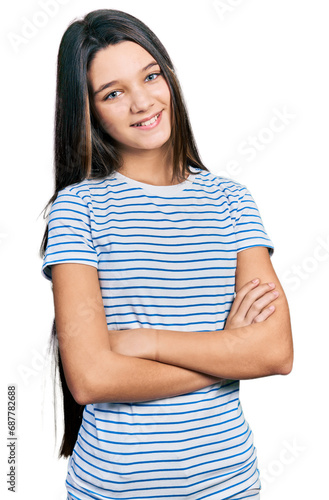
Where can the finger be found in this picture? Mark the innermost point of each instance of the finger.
(260, 304)
(253, 296)
(241, 293)
(266, 313)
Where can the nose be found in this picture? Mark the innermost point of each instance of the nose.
(141, 100)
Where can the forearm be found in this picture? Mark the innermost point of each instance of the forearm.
(119, 378)
(241, 352)
(253, 351)
(256, 350)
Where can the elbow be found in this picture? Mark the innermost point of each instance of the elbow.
(280, 350)
(282, 361)
(81, 389)
(80, 394)
(285, 367)
(87, 385)
(85, 394)
(99, 384)
(80, 398)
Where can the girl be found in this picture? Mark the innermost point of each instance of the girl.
(145, 249)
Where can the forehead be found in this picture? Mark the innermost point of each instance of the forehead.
(119, 61)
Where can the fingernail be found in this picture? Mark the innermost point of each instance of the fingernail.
(255, 281)
(275, 293)
(272, 285)
(271, 308)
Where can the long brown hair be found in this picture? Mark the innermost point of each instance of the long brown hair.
(84, 150)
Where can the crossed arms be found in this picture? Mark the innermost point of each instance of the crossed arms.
(146, 364)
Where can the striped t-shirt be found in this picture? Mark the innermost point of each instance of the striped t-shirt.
(166, 259)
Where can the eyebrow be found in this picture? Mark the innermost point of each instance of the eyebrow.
(114, 82)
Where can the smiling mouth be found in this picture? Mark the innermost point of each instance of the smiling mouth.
(147, 122)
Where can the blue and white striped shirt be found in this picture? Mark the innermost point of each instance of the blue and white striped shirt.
(166, 259)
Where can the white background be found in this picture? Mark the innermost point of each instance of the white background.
(240, 64)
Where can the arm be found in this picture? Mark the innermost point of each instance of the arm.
(92, 371)
(250, 351)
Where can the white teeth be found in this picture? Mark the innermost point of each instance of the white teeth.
(149, 122)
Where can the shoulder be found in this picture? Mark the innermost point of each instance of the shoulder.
(78, 200)
(86, 193)
(232, 190)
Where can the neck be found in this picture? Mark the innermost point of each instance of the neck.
(149, 166)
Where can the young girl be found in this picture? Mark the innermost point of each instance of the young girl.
(145, 249)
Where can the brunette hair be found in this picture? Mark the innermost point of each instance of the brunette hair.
(84, 150)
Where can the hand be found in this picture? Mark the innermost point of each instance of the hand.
(252, 304)
(137, 342)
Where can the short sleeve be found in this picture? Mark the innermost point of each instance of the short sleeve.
(249, 228)
(69, 233)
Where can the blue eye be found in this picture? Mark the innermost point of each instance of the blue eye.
(155, 75)
(112, 95)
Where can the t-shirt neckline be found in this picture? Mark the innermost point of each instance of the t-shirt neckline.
(159, 190)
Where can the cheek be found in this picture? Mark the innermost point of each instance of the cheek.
(110, 119)
(166, 99)
(163, 93)
(163, 98)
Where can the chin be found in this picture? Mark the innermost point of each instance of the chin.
(156, 143)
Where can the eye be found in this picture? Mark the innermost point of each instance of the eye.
(152, 76)
(112, 95)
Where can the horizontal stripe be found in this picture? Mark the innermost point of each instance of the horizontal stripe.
(149, 471)
(136, 481)
(165, 259)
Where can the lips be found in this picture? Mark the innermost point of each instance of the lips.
(147, 121)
